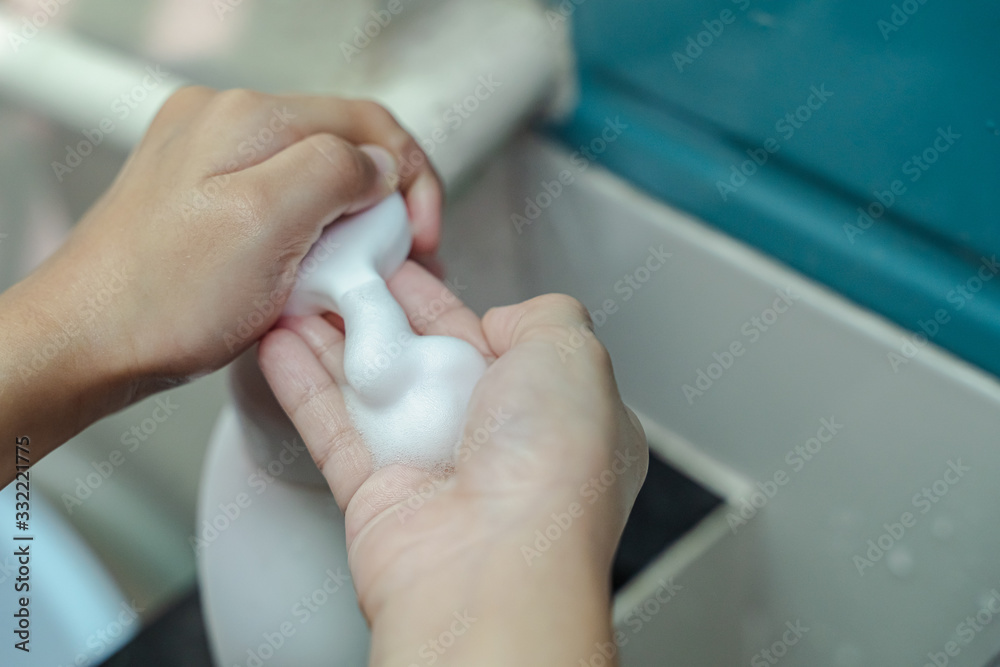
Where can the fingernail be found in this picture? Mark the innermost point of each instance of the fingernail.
(424, 202)
(385, 163)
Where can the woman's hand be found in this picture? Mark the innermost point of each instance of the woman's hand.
(190, 255)
(548, 442)
(210, 217)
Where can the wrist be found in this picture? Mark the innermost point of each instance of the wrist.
(62, 369)
(494, 607)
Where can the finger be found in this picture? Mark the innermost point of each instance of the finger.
(183, 104)
(366, 122)
(424, 205)
(433, 309)
(555, 332)
(361, 491)
(632, 437)
(315, 405)
(325, 341)
(260, 126)
(360, 122)
(318, 179)
(177, 112)
(549, 318)
(430, 262)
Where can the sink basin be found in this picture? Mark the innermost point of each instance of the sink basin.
(859, 494)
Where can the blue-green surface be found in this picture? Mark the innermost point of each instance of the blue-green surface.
(880, 98)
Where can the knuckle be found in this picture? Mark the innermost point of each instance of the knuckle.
(235, 101)
(248, 207)
(409, 154)
(188, 95)
(407, 146)
(330, 148)
(599, 356)
(183, 102)
(373, 112)
(332, 152)
(340, 160)
(338, 441)
(257, 200)
(637, 427)
(643, 465)
(391, 133)
(565, 304)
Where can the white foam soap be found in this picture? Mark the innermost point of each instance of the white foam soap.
(407, 394)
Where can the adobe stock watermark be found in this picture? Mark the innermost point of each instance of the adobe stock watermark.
(250, 326)
(580, 160)
(419, 497)
(773, 654)
(259, 481)
(590, 492)
(223, 8)
(958, 297)
(557, 15)
(796, 459)
(751, 330)
(380, 362)
(451, 120)
(898, 17)
(429, 312)
(248, 149)
(121, 108)
(471, 443)
(786, 127)
(92, 306)
(364, 34)
(32, 24)
(435, 647)
(698, 42)
(99, 641)
(302, 611)
(627, 287)
(914, 169)
(966, 631)
(923, 501)
(131, 439)
(636, 619)
(496, 419)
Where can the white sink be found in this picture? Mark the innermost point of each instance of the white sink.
(756, 431)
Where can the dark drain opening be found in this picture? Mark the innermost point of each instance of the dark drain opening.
(669, 505)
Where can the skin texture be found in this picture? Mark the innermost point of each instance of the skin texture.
(202, 230)
(191, 255)
(563, 423)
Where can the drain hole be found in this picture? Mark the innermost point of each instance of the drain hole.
(669, 505)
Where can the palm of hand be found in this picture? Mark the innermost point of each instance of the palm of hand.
(538, 423)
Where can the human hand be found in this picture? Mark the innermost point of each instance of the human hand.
(542, 425)
(191, 253)
(206, 224)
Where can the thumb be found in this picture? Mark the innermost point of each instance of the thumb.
(312, 182)
(549, 318)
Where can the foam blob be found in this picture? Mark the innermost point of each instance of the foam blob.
(407, 394)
